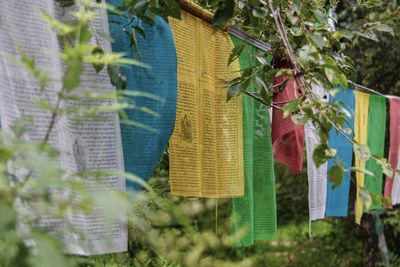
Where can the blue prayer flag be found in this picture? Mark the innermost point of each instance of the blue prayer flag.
(338, 198)
(142, 146)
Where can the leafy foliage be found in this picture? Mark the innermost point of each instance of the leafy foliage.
(30, 177)
(167, 231)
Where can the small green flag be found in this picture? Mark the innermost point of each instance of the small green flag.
(254, 215)
(376, 144)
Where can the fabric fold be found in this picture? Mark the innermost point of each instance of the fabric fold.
(338, 199)
(360, 136)
(287, 137)
(392, 184)
(254, 215)
(145, 135)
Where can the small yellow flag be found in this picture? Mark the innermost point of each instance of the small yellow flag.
(206, 148)
(360, 135)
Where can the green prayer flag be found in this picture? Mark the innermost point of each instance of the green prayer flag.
(376, 143)
(254, 215)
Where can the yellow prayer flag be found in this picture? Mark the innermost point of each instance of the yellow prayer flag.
(206, 148)
(360, 135)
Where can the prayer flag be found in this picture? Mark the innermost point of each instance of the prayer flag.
(254, 215)
(338, 199)
(392, 184)
(86, 144)
(146, 134)
(360, 136)
(287, 137)
(376, 144)
(317, 177)
(206, 148)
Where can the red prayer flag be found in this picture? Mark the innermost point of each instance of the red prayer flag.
(287, 137)
(394, 114)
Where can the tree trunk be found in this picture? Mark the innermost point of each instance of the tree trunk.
(371, 249)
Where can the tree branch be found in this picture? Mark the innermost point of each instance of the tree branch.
(298, 75)
(53, 118)
(259, 99)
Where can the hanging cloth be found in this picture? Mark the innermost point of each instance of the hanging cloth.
(338, 199)
(206, 148)
(287, 137)
(317, 177)
(360, 136)
(376, 144)
(392, 184)
(86, 144)
(254, 215)
(145, 136)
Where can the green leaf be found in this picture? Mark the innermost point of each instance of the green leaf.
(366, 199)
(317, 39)
(116, 78)
(136, 93)
(296, 31)
(30, 65)
(370, 3)
(233, 90)
(299, 119)
(283, 85)
(262, 60)
(236, 51)
(241, 4)
(5, 154)
(336, 174)
(260, 83)
(386, 168)
(320, 16)
(62, 28)
(384, 28)
(85, 34)
(140, 30)
(370, 34)
(98, 51)
(74, 61)
(223, 14)
(376, 200)
(291, 107)
(259, 12)
(48, 252)
(173, 9)
(306, 54)
(148, 20)
(284, 72)
(322, 153)
(66, 3)
(334, 75)
(362, 152)
(18, 128)
(139, 5)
